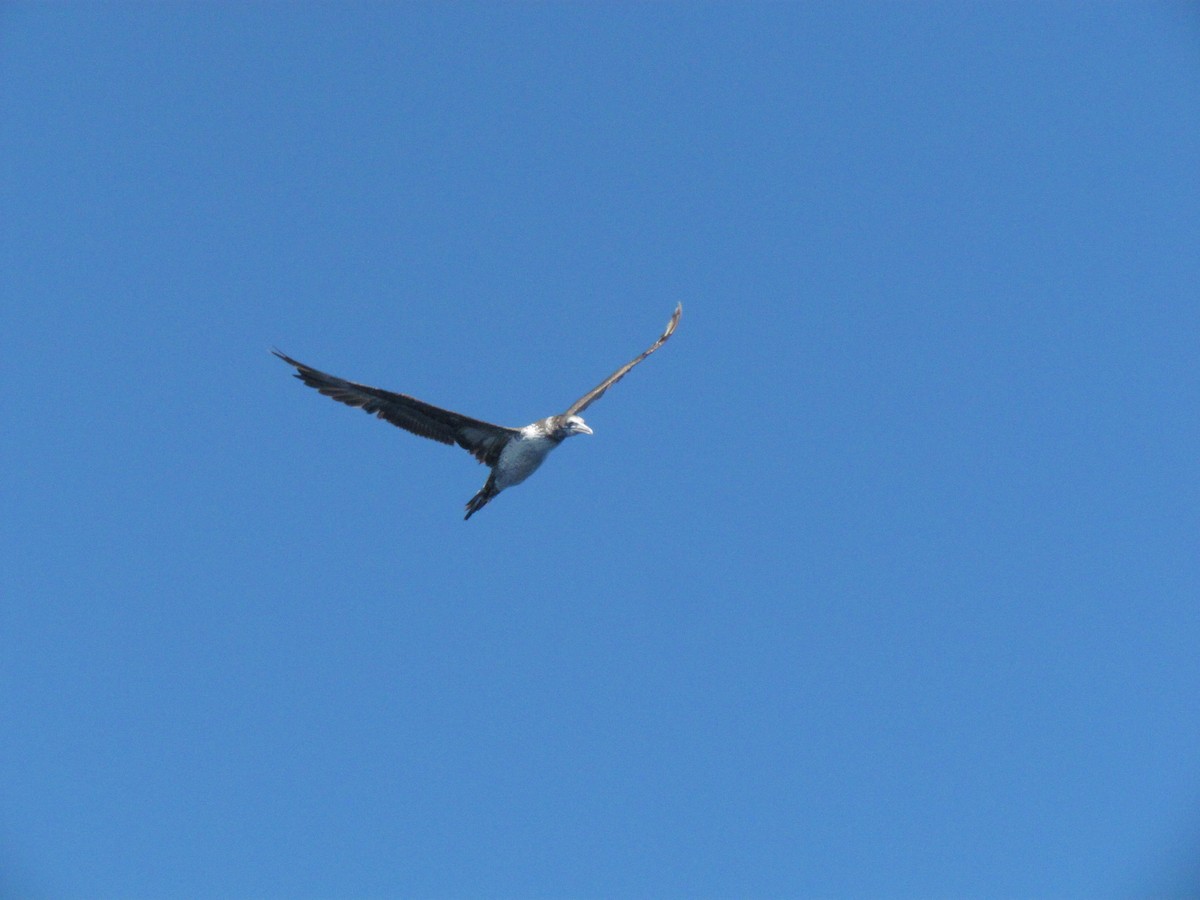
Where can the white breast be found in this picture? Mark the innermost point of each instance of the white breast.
(520, 458)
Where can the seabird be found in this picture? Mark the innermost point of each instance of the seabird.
(513, 454)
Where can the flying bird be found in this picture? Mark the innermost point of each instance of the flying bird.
(512, 454)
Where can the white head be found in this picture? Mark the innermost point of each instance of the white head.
(575, 425)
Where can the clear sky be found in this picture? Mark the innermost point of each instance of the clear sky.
(881, 579)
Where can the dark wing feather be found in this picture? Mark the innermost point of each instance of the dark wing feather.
(482, 440)
(598, 391)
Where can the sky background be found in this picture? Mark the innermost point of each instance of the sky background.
(880, 579)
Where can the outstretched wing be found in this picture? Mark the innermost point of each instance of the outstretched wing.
(598, 391)
(482, 440)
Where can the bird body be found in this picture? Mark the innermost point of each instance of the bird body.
(513, 454)
(522, 456)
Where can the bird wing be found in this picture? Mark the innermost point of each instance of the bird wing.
(482, 440)
(598, 391)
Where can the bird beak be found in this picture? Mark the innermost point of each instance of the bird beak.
(583, 429)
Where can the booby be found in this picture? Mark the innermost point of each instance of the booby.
(512, 454)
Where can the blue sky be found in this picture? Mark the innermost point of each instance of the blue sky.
(880, 579)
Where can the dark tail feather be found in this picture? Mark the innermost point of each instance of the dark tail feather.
(480, 500)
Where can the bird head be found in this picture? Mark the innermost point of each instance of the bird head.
(575, 425)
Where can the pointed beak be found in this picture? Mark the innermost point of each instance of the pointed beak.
(583, 429)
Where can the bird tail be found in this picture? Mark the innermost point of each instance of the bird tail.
(480, 500)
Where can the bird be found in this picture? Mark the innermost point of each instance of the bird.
(512, 454)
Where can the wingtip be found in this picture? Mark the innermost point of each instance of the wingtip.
(674, 320)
